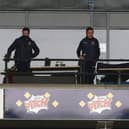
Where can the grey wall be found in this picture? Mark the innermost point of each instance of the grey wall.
(44, 19)
(66, 20)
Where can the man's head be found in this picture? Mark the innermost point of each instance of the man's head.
(89, 32)
(26, 31)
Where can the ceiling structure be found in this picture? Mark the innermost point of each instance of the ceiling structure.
(100, 5)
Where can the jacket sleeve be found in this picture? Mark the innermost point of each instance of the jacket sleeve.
(79, 49)
(35, 50)
(97, 49)
(11, 49)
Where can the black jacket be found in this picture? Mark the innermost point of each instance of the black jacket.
(25, 49)
(90, 47)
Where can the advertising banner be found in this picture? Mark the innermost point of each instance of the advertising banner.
(67, 103)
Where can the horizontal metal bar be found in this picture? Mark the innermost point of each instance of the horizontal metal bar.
(67, 10)
(59, 59)
(62, 73)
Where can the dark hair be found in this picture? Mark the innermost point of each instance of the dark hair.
(89, 28)
(26, 29)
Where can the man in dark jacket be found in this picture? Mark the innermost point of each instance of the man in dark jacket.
(25, 49)
(88, 51)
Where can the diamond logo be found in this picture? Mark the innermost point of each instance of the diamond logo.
(47, 95)
(118, 104)
(27, 95)
(19, 103)
(90, 95)
(82, 103)
(110, 95)
(55, 103)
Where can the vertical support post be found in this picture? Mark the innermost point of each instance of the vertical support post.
(27, 18)
(108, 35)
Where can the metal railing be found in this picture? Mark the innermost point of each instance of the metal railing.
(81, 72)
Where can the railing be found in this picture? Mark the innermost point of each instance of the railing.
(118, 72)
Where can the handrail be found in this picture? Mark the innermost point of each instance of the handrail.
(65, 59)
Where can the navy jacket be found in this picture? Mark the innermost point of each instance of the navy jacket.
(89, 47)
(25, 49)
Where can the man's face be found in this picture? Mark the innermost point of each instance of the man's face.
(25, 33)
(90, 34)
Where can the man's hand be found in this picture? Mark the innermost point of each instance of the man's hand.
(82, 57)
(6, 58)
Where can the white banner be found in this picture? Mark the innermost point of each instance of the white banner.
(1, 104)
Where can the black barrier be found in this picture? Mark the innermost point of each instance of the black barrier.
(80, 73)
(42, 103)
